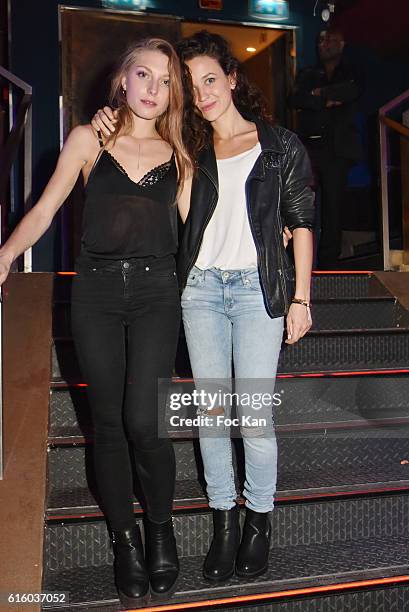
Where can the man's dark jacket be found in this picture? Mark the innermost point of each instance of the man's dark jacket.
(277, 193)
(336, 125)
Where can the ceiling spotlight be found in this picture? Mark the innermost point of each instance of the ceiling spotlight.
(251, 49)
(328, 8)
(327, 11)
(325, 14)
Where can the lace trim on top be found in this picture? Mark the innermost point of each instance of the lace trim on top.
(148, 179)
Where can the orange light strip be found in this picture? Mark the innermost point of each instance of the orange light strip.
(323, 374)
(342, 272)
(370, 372)
(341, 494)
(313, 272)
(279, 594)
(347, 373)
(63, 385)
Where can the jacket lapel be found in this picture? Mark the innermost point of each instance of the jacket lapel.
(208, 165)
(269, 142)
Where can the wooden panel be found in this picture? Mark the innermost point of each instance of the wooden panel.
(27, 302)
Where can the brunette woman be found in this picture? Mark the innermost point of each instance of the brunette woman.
(238, 282)
(125, 300)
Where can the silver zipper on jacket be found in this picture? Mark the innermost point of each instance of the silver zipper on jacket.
(280, 257)
(263, 289)
(280, 271)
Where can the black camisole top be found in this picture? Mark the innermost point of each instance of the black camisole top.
(123, 219)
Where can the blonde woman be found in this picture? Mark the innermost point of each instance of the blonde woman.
(125, 299)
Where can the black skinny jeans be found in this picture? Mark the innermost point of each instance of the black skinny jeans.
(125, 323)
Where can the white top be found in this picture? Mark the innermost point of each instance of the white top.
(227, 241)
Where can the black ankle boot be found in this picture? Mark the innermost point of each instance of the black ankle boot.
(220, 560)
(131, 577)
(252, 558)
(161, 556)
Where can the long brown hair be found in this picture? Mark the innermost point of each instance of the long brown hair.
(169, 124)
(246, 97)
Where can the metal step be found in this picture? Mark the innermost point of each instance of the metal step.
(371, 600)
(313, 544)
(329, 314)
(382, 599)
(324, 285)
(310, 466)
(322, 402)
(316, 353)
(296, 567)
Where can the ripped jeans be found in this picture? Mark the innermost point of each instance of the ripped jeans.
(226, 323)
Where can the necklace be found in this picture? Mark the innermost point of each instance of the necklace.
(139, 155)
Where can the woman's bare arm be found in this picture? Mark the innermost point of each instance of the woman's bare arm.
(299, 317)
(80, 149)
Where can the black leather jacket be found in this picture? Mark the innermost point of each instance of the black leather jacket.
(277, 194)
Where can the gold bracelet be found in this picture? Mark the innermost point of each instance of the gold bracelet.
(299, 301)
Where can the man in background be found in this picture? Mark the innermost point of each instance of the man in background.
(325, 97)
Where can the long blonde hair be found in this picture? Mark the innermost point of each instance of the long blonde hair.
(169, 124)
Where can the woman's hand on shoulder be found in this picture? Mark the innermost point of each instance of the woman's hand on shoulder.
(104, 121)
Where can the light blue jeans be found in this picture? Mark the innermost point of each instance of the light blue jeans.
(226, 323)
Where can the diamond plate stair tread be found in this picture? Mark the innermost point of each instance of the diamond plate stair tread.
(296, 566)
(346, 285)
(315, 353)
(80, 500)
(387, 599)
(71, 544)
(314, 400)
(308, 484)
(322, 286)
(364, 450)
(359, 315)
(370, 313)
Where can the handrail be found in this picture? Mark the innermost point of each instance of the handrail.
(20, 126)
(395, 125)
(385, 123)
